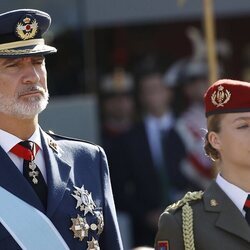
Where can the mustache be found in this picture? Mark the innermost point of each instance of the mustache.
(30, 89)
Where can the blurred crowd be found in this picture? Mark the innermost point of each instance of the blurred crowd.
(152, 131)
(153, 126)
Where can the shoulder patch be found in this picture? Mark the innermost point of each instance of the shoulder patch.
(52, 134)
(190, 196)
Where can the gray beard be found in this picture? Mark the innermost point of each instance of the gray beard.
(23, 109)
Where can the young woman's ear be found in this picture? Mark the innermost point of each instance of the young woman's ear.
(214, 140)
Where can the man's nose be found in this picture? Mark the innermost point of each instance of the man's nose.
(30, 75)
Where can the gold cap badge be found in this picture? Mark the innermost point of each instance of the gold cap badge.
(220, 97)
(27, 28)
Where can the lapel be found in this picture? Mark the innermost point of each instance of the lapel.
(145, 146)
(12, 180)
(230, 218)
(58, 171)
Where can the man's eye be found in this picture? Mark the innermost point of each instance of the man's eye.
(40, 62)
(11, 65)
(243, 126)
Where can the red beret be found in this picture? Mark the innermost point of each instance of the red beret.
(227, 96)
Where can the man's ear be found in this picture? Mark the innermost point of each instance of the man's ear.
(214, 140)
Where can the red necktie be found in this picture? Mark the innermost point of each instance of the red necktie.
(28, 150)
(247, 209)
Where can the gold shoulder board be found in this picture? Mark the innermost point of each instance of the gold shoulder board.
(189, 196)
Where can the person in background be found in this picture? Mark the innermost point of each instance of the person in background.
(218, 218)
(46, 178)
(147, 159)
(117, 106)
(190, 84)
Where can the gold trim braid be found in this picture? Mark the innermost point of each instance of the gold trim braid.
(18, 44)
(187, 227)
(187, 217)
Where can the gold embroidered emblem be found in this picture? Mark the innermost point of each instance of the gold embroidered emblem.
(27, 29)
(80, 227)
(220, 97)
(213, 203)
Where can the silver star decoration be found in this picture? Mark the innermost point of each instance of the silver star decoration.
(84, 200)
(93, 244)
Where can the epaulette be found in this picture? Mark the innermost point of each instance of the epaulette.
(52, 134)
(189, 196)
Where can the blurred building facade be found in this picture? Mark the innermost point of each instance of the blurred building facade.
(93, 36)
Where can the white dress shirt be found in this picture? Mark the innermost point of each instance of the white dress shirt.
(154, 126)
(236, 194)
(8, 141)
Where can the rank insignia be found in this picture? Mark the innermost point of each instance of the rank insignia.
(213, 203)
(53, 144)
(93, 244)
(84, 200)
(27, 28)
(163, 245)
(80, 227)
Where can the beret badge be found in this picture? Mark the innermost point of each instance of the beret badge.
(220, 96)
(27, 28)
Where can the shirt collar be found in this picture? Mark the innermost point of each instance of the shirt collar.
(8, 141)
(164, 122)
(236, 194)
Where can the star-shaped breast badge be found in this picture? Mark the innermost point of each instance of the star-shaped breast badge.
(84, 200)
(93, 244)
(80, 227)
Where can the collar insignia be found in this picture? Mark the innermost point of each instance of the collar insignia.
(52, 144)
(213, 203)
(27, 28)
(220, 97)
(84, 200)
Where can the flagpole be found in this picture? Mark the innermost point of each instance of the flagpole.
(210, 40)
(209, 27)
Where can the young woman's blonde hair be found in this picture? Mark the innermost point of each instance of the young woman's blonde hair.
(213, 124)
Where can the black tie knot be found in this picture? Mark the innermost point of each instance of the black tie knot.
(27, 144)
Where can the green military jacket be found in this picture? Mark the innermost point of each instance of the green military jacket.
(210, 222)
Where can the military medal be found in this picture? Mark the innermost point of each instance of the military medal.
(93, 244)
(33, 173)
(84, 200)
(80, 227)
(100, 220)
